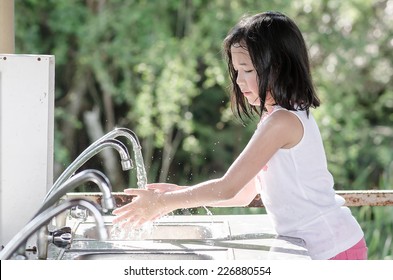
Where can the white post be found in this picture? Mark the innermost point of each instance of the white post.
(26, 138)
(7, 32)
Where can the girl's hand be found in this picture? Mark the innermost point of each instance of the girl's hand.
(163, 187)
(146, 206)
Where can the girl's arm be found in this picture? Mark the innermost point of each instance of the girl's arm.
(243, 198)
(281, 130)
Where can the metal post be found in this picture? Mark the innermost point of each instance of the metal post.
(7, 32)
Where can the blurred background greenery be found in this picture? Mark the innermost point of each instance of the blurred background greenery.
(156, 67)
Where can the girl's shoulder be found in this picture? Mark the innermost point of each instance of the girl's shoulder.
(282, 117)
(287, 124)
(285, 118)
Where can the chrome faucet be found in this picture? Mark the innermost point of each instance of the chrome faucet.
(136, 146)
(42, 220)
(91, 151)
(89, 175)
(82, 177)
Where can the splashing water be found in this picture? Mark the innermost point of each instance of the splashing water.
(208, 212)
(128, 232)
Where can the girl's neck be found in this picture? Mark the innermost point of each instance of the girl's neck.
(269, 109)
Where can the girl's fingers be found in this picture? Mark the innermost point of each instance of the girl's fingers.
(121, 218)
(119, 210)
(163, 187)
(156, 188)
(133, 219)
(127, 215)
(133, 222)
(123, 208)
(136, 192)
(156, 217)
(128, 206)
(127, 223)
(135, 213)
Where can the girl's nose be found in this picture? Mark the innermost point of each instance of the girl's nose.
(239, 78)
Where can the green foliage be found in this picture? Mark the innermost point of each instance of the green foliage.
(156, 67)
(354, 80)
(377, 224)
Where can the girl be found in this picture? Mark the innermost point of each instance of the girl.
(284, 160)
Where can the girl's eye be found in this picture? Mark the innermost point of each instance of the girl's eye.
(248, 71)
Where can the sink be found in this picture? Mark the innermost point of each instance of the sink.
(143, 256)
(161, 240)
(182, 238)
(160, 230)
(92, 250)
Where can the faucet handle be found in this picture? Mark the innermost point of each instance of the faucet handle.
(79, 212)
(61, 237)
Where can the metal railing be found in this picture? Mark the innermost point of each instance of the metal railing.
(352, 198)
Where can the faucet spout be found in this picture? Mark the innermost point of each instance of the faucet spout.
(44, 217)
(91, 151)
(136, 146)
(78, 179)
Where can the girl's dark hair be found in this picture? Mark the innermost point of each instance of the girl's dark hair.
(279, 55)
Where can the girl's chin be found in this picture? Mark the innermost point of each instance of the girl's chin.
(254, 102)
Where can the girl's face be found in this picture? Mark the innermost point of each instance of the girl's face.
(247, 79)
(246, 74)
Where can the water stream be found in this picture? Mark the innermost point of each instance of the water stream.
(128, 231)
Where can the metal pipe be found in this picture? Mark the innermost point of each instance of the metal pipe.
(367, 197)
(89, 175)
(136, 147)
(353, 198)
(82, 177)
(91, 151)
(43, 218)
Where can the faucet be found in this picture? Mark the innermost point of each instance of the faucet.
(91, 151)
(80, 178)
(136, 146)
(43, 218)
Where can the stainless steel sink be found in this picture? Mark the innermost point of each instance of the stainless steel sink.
(99, 250)
(159, 241)
(143, 256)
(161, 230)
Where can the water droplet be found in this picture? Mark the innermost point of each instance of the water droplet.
(208, 212)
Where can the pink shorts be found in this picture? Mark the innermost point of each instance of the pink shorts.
(356, 252)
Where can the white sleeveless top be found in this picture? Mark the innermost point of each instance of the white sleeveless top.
(297, 191)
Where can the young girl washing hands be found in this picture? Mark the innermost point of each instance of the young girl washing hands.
(284, 160)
